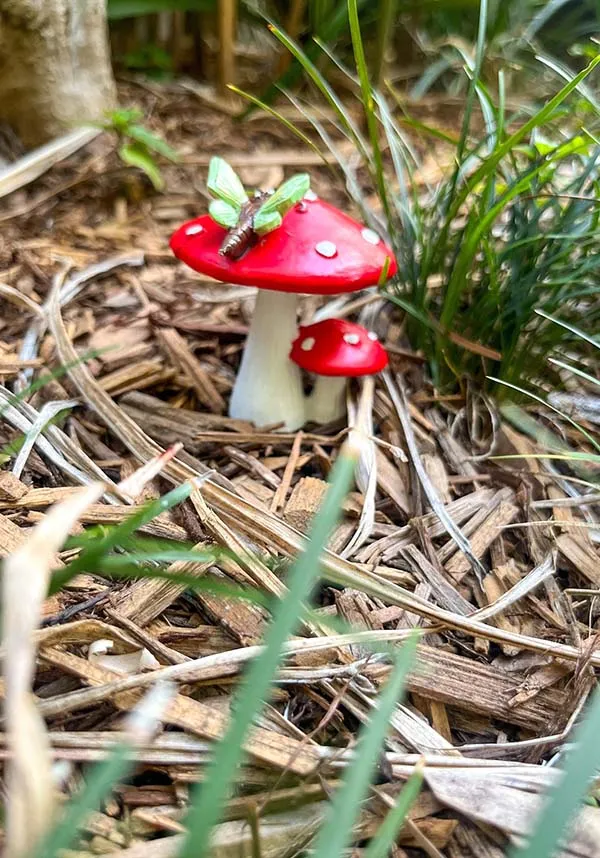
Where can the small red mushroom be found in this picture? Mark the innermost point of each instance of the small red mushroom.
(317, 250)
(335, 350)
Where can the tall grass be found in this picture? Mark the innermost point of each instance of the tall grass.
(510, 227)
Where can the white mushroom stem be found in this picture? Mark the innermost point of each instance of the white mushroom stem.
(268, 387)
(327, 402)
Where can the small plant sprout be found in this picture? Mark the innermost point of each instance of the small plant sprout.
(287, 248)
(335, 350)
(139, 147)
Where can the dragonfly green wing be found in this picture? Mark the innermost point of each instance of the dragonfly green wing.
(264, 222)
(224, 214)
(280, 202)
(224, 184)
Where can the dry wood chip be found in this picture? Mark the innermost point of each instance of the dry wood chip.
(187, 362)
(197, 641)
(467, 684)
(442, 590)
(163, 653)
(160, 526)
(470, 842)
(280, 834)
(38, 498)
(11, 487)
(144, 600)
(11, 536)
(436, 831)
(243, 621)
(294, 460)
(456, 455)
(195, 421)
(136, 376)
(253, 465)
(436, 470)
(264, 745)
(482, 538)
(304, 502)
(392, 483)
(577, 551)
(494, 589)
(492, 800)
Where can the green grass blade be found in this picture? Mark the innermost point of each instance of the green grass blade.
(541, 401)
(581, 765)
(577, 331)
(207, 805)
(336, 833)
(280, 118)
(575, 370)
(329, 31)
(368, 103)
(100, 784)
(502, 150)
(324, 88)
(352, 183)
(104, 777)
(388, 10)
(470, 103)
(121, 533)
(381, 844)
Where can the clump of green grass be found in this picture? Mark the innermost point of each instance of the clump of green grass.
(511, 228)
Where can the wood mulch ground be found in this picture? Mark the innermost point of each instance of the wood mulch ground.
(506, 664)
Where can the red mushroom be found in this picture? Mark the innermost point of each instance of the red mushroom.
(317, 250)
(335, 350)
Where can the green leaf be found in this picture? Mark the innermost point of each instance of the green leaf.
(207, 804)
(119, 120)
(224, 214)
(281, 201)
(224, 184)
(336, 834)
(138, 156)
(152, 141)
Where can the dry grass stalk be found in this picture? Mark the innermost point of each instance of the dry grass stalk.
(30, 802)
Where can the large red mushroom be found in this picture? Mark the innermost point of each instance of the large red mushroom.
(316, 250)
(335, 350)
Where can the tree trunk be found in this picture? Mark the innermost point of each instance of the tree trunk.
(55, 70)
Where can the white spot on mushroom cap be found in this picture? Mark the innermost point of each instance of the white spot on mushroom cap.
(326, 249)
(301, 207)
(373, 336)
(351, 339)
(194, 229)
(307, 344)
(370, 236)
(310, 196)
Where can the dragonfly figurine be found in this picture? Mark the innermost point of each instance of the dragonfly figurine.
(245, 218)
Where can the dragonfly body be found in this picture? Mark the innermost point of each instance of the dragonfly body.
(247, 219)
(243, 236)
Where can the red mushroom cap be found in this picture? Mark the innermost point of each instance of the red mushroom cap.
(317, 250)
(338, 347)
